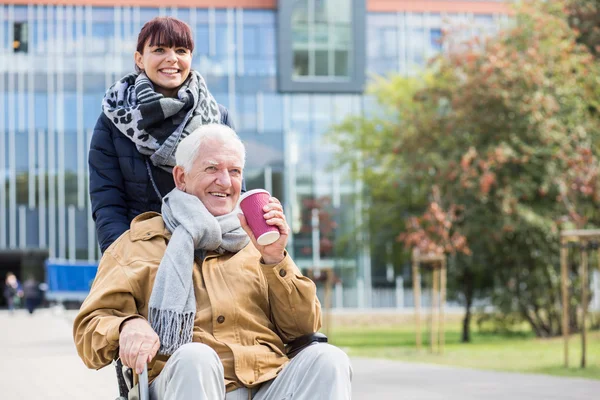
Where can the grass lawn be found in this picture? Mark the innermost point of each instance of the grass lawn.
(519, 352)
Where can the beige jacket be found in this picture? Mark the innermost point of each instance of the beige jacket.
(246, 310)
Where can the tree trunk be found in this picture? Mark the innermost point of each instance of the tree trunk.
(468, 292)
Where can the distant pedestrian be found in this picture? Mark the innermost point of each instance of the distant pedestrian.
(12, 291)
(31, 294)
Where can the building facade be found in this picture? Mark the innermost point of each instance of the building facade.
(286, 71)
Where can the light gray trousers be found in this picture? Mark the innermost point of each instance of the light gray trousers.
(194, 372)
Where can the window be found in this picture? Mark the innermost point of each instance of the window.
(322, 46)
(321, 39)
(21, 37)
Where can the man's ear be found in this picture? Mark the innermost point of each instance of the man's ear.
(179, 177)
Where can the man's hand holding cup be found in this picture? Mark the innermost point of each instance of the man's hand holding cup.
(264, 222)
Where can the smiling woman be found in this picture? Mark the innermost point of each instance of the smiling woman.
(164, 53)
(145, 116)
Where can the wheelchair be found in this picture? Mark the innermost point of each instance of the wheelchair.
(128, 390)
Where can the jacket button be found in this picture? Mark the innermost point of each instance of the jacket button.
(221, 319)
(282, 273)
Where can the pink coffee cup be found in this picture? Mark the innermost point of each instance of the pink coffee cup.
(251, 204)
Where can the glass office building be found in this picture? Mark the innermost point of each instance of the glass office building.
(285, 70)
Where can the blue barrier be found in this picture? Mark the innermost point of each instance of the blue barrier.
(69, 281)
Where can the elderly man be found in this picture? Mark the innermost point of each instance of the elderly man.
(194, 286)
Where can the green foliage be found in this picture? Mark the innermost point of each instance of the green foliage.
(505, 131)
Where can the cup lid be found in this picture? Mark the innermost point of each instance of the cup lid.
(250, 193)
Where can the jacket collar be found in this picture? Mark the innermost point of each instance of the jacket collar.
(147, 226)
(150, 225)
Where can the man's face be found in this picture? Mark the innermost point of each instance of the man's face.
(216, 177)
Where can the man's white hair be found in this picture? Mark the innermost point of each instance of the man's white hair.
(190, 147)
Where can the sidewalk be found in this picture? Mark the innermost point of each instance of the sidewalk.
(40, 362)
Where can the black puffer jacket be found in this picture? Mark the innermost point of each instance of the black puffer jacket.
(120, 185)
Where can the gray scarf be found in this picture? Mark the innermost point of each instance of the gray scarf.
(172, 306)
(156, 124)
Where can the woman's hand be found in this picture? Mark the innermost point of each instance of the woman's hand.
(274, 252)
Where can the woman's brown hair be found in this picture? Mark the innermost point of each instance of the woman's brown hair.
(165, 31)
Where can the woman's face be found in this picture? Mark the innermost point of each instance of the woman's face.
(166, 67)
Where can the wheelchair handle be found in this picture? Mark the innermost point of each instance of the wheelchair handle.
(143, 384)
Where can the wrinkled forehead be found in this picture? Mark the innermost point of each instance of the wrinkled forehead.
(221, 154)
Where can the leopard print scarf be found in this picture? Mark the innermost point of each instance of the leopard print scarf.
(156, 124)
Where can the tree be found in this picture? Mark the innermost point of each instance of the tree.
(506, 131)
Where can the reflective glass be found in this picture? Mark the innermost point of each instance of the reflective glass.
(91, 109)
(272, 112)
(321, 63)
(321, 38)
(202, 40)
(71, 109)
(258, 49)
(21, 152)
(69, 153)
(436, 39)
(41, 110)
(247, 112)
(300, 63)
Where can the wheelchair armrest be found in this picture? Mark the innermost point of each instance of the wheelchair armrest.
(298, 344)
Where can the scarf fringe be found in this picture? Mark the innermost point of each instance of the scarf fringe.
(173, 328)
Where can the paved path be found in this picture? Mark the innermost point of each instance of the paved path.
(40, 362)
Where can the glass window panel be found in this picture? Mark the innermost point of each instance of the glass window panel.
(202, 40)
(4, 34)
(272, 112)
(388, 42)
(318, 30)
(247, 110)
(69, 155)
(300, 12)
(21, 152)
(251, 42)
(322, 10)
(202, 16)
(41, 110)
(260, 17)
(217, 84)
(222, 98)
(417, 46)
(183, 14)
(221, 52)
(100, 41)
(436, 39)
(91, 109)
(267, 40)
(321, 35)
(146, 14)
(373, 43)
(21, 37)
(263, 150)
(20, 13)
(70, 109)
(321, 63)
(341, 63)
(300, 35)
(342, 107)
(300, 63)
